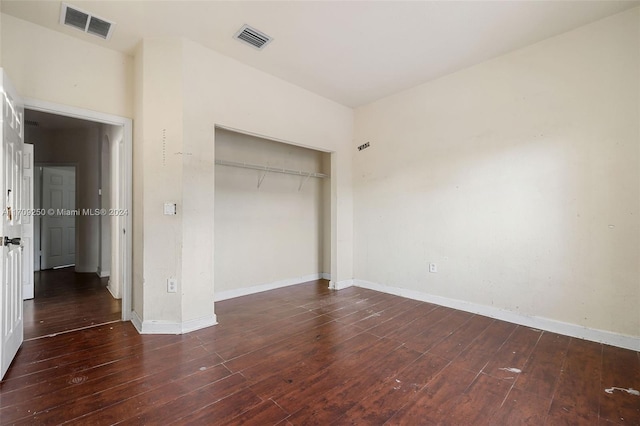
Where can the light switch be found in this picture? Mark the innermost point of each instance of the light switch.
(169, 209)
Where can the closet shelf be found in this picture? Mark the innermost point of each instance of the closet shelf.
(271, 169)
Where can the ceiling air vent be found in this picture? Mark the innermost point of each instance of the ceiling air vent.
(85, 22)
(253, 37)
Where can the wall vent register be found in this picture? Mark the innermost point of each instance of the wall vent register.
(85, 22)
(253, 37)
(364, 146)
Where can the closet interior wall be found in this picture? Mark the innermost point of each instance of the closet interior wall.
(270, 228)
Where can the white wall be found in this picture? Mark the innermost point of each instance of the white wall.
(111, 166)
(0, 38)
(157, 163)
(137, 290)
(79, 147)
(183, 91)
(104, 174)
(50, 66)
(113, 225)
(32, 134)
(519, 177)
(274, 233)
(221, 91)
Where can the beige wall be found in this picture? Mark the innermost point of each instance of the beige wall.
(112, 139)
(104, 146)
(274, 233)
(221, 91)
(137, 297)
(519, 177)
(50, 66)
(184, 91)
(1, 38)
(158, 162)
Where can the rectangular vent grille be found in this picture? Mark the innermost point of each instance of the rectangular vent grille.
(75, 18)
(85, 22)
(99, 27)
(253, 37)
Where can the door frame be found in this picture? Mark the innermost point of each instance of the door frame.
(125, 184)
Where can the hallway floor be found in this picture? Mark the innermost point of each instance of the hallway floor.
(66, 300)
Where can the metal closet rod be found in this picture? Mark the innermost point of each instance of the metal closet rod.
(271, 169)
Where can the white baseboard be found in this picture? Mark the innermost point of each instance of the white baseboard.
(136, 321)
(341, 285)
(231, 294)
(113, 294)
(325, 276)
(103, 274)
(84, 269)
(27, 292)
(169, 327)
(567, 329)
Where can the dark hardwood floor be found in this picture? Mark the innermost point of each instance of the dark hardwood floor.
(304, 355)
(66, 300)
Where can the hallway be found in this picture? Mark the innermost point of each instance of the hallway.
(66, 300)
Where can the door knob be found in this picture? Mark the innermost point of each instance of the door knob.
(14, 241)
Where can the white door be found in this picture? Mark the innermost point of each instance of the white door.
(58, 237)
(28, 220)
(11, 263)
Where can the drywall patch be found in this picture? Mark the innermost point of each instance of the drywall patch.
(630, 391)
(511, 370)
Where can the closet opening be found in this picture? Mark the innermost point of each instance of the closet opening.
(272, 215)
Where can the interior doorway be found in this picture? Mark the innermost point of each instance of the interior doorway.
(55, 232)
(88, 234)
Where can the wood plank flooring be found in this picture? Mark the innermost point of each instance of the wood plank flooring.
(66, 300)
(305, 355)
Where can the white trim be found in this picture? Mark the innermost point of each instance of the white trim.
(271, 138)
(341, 285)
(567, 329)
(231, 294)
(114, 295)
(125, 181)
(74, 112)
(103, 274)
(27, 292)
(64, 266)
(325, 276)
(170, 327)
(136, 321)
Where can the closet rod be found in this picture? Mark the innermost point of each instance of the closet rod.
(270, 169)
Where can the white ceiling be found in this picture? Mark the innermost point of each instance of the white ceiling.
(352, 52)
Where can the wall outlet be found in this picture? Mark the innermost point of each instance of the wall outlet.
(433, 268)
(172, 285)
